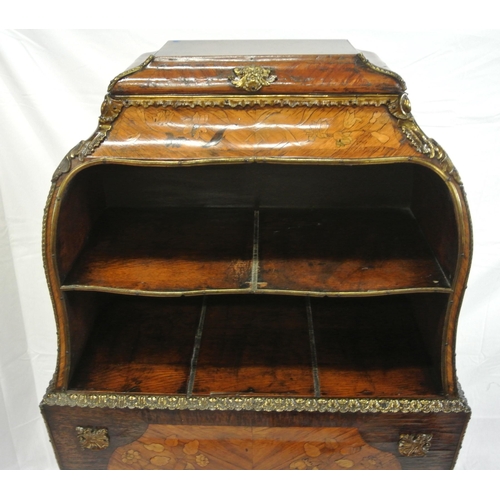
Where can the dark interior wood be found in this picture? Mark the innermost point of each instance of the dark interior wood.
(192, 250)
(139, 344)
(251, 345)
(308, 228)
(255, 230)
(257, 185)
(255, 345)
(82, 206)
(432, 206)
(168, 250)
(357, 250)
(371, 347)
(256, 261)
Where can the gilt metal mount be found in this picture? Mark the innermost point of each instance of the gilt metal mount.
(252, 78)
(92, 438)
(414, 445)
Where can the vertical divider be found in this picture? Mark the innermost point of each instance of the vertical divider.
(196, 348)
(255, 252)
(312, 345)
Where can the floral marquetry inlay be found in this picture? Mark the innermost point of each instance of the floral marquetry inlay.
(204, 133)
(224, 447)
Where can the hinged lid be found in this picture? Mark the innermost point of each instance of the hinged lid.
(258, 66)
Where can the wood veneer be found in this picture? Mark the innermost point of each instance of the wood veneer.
(261, 273)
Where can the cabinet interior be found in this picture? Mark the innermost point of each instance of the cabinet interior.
(286, 279)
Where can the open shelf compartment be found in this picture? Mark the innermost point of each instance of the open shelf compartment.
(306, 229)
(256, 345)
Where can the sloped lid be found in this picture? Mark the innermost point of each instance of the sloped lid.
(258, 67)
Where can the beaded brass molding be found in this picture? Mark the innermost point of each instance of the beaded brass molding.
(414, 445)
(130, 71)
(252, 78)
(92, 438)
(261, 101)
(255, 403)
(379, 69)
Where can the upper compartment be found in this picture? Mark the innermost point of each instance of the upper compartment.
(286, 67)
(257, 228)
(280, 154)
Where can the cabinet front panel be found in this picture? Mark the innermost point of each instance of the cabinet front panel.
(97, 438)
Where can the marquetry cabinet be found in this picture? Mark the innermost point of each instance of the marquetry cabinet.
(257, 261)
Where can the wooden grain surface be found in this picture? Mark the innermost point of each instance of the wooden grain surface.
(190, 250)
(371, 348)
(174, 250)
(140, 345)
(197, 133)
(380, 431)
(179, 447)
(257, 345)
(322, 73)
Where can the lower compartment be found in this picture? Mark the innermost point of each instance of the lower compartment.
(258, 345)
(112, 438)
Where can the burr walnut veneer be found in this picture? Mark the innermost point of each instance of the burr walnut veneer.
(256, 261)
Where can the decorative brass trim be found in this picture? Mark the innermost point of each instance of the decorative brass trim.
(65, 164)
(92, 438)
(255, 403)
(384, 71)
(232, 101)
(252, 78)
(258, 291)
(429, 147)
(130, 71)
(414, 445)
(110, 110)
(421, 142)
(400, 108)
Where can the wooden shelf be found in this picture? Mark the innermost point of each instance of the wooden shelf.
(289, 258)
(257, 345)
(232, 250)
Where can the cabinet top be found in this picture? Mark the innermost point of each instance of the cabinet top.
(217, 48)
(272, 67)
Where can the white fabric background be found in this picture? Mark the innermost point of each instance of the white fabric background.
(51, 87)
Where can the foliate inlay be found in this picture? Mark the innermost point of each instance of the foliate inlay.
(252, 78)
(414, 445)
(191, 447)
(92, 438)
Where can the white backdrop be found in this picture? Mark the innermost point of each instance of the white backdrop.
(51, 87)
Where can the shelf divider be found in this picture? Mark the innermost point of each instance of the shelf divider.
(196, 348)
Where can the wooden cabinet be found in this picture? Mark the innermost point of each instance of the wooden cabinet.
(256, 261)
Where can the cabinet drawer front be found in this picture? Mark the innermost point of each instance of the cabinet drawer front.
(98, 438)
